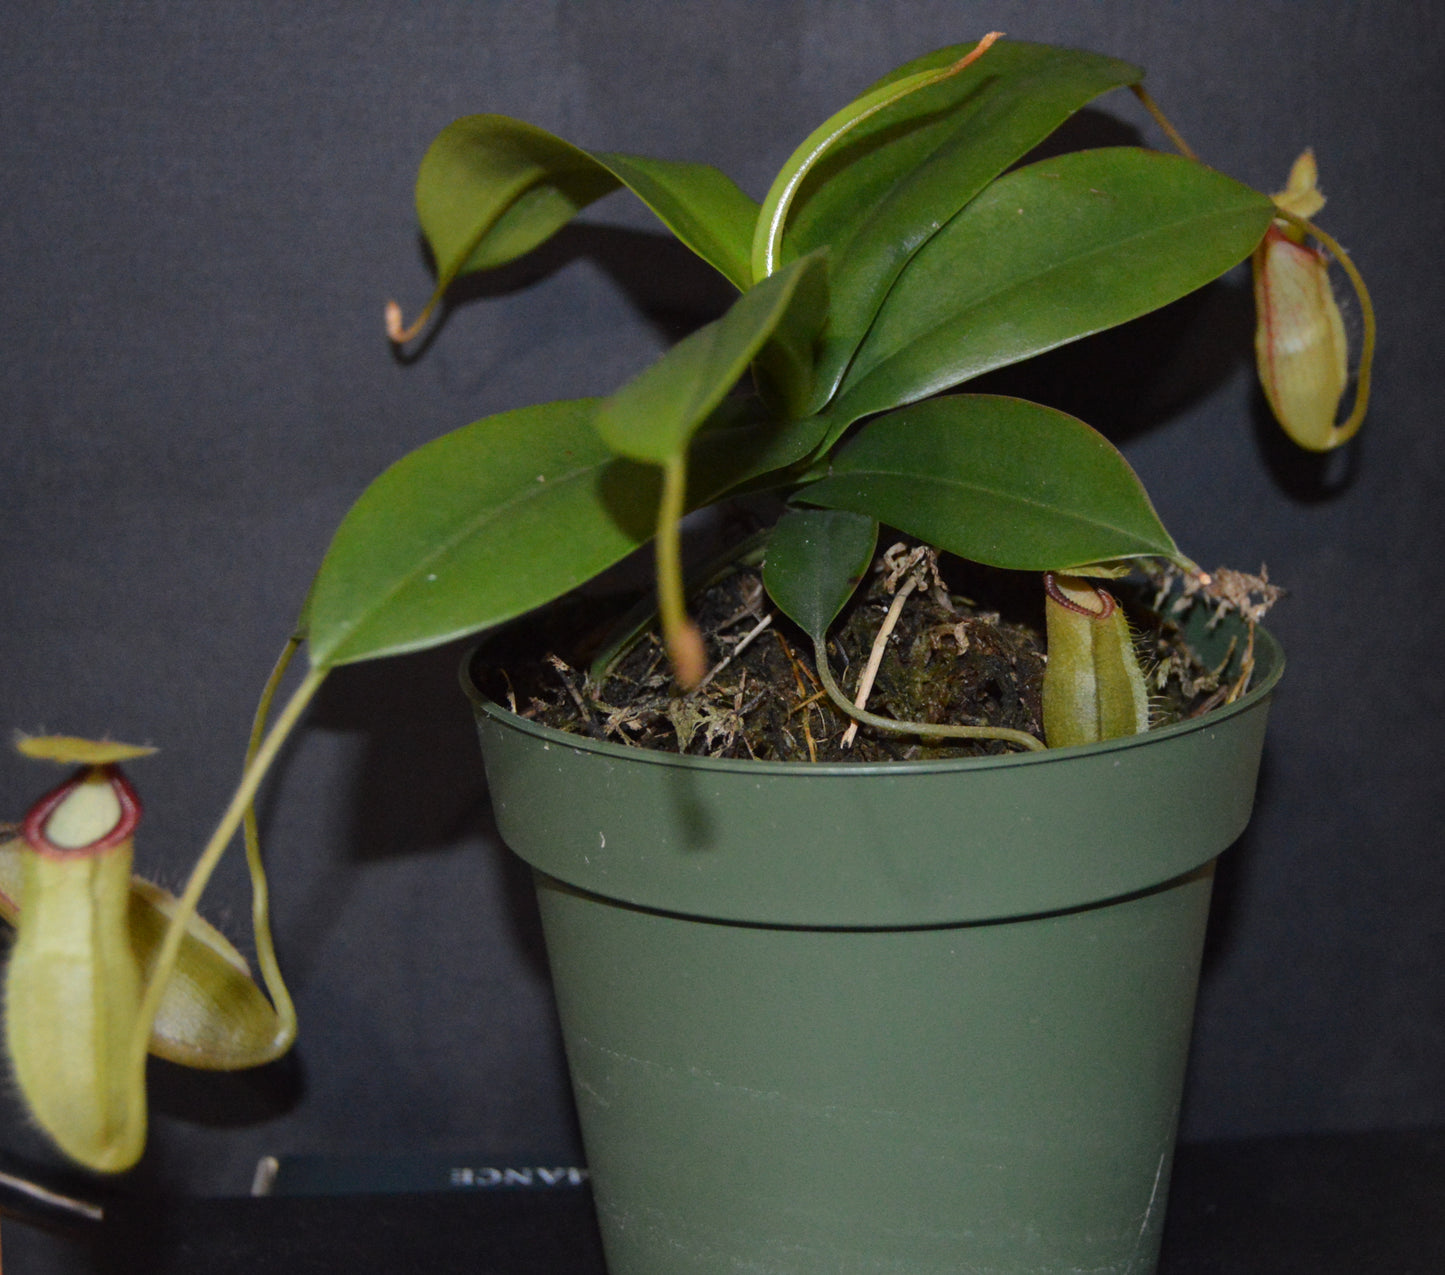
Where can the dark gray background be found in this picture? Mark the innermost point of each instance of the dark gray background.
(205, 209)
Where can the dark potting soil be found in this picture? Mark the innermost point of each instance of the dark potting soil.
(967, 648)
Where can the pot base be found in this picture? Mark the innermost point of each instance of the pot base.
(997, 1097)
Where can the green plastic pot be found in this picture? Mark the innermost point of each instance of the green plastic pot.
(914, 1018)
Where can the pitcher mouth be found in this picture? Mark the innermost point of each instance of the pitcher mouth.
(35, 827)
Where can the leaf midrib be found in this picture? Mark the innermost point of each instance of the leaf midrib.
(467, 530)
(962, 486)
(1069, 263)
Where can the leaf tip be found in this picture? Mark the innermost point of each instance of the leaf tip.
(397, 332)
(978, 50)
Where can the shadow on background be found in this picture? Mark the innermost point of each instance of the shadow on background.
(669, 285)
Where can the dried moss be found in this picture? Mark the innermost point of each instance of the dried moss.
(949, 659)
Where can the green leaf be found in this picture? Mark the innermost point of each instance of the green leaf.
(1000, 481)
(744, 446)
(491, 188)
(815, 560)
(474, 528)
(900, 175)
(825, 140)
(702, 206)
(784, 367)
(1046, 255)
(503, 515)
(653, 416)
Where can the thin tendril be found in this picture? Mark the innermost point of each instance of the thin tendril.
(1172, 133)
(684, 643)
(399, 335)
(260, 891)
(251, 777)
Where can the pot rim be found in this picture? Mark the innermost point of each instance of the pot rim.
(920, 844)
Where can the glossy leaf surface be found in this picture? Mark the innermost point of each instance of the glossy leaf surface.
(815, 560)
(503, 515)
(474, 528)
(700, 204)
(784, 369)
(1000, 481)
(893, 181)
(740, 447)
(824, 143)
(653, 416)
(1046, 255)
(491, 188)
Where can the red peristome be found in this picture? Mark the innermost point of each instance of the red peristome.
(1056, 594)
(33, 827)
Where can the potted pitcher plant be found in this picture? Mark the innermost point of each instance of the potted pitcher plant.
(914, 992)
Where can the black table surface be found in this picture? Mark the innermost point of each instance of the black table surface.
(1344, 1204)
